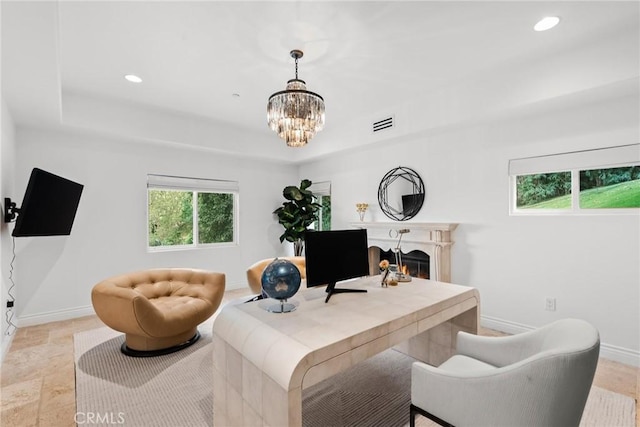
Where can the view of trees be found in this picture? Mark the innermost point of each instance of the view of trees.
(599, 188)
(602, 177)
(532, 189)
(215, 217)
(325, 213)
(171, 217)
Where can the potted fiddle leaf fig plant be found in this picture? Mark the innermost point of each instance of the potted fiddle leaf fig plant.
(297, 214)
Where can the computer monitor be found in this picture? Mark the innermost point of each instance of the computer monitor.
(332, 256)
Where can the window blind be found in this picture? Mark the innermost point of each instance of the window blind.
(321, 188)
(583, 160)
(190, 184)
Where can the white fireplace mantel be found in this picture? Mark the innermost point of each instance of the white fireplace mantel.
(432, 238)
(442, 226)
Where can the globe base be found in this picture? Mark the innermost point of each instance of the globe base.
(281, 307)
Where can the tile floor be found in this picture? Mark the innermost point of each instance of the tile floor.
(37, 382)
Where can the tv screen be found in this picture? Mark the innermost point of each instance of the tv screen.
(411, 203)
(332, 256)
(49, 205)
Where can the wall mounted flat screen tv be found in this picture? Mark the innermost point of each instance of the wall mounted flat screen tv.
(333, 256)
(49, 205)
(411, 203)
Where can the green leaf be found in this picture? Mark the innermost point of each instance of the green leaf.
(304, 184)
(292, 193)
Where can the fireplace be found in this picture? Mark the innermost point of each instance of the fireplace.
(432, 239)
(414, 263)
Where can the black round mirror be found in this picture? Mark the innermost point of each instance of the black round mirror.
(401, 193)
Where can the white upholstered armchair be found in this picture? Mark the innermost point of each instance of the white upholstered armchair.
(537, 378)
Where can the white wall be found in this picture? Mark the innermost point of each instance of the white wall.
(55, 274)
(7, 158)
(589, 263)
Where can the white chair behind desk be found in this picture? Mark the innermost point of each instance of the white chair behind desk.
(537, 378)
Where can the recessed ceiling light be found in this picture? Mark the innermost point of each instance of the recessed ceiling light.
(546, 23)
(133, 78)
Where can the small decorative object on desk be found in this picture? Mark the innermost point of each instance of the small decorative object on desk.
(281, 280)
(362, 208)
(392, 277)
(384, 272)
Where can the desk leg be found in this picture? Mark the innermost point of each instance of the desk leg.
(280, 407)
(437, 342)
(244, 396)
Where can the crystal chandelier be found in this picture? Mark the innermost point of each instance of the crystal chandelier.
(295, 113)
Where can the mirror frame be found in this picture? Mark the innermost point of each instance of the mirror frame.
(401, 172)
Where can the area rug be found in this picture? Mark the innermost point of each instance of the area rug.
(175, 390)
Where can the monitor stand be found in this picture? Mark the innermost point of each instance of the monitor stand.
(256, 298)
(331, 289)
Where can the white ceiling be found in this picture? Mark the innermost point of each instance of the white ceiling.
(362, 57)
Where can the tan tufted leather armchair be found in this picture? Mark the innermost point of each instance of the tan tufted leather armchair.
(159, 310)
(254, 273)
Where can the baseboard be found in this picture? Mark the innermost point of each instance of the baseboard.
(54, 316)
(620, 354)
(607, 351)
(504, 325)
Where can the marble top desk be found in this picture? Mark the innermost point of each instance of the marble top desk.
(262, 361)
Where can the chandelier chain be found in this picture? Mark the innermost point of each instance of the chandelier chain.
(296, 68)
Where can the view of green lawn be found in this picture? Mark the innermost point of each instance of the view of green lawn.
(622, 195)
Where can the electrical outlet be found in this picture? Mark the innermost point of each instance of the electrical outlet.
(550, 304)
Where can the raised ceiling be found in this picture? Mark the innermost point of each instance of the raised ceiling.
(63, 62)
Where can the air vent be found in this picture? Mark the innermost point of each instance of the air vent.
(383, 124)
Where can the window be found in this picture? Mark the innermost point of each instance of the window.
(610, 188)
(325, 213)
(605, 180)
(544, 191)
(190, 212)
(322, 194)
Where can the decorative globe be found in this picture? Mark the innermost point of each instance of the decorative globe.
(281, 279)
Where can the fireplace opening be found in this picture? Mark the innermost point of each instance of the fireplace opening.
(414, 263)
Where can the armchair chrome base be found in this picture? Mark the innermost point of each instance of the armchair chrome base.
(413, 410)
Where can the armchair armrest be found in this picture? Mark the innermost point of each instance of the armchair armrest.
(521, 394)
(122, 307)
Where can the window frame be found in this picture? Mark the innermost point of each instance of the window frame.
(319, 190)
(195, 186)
(573, 162)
